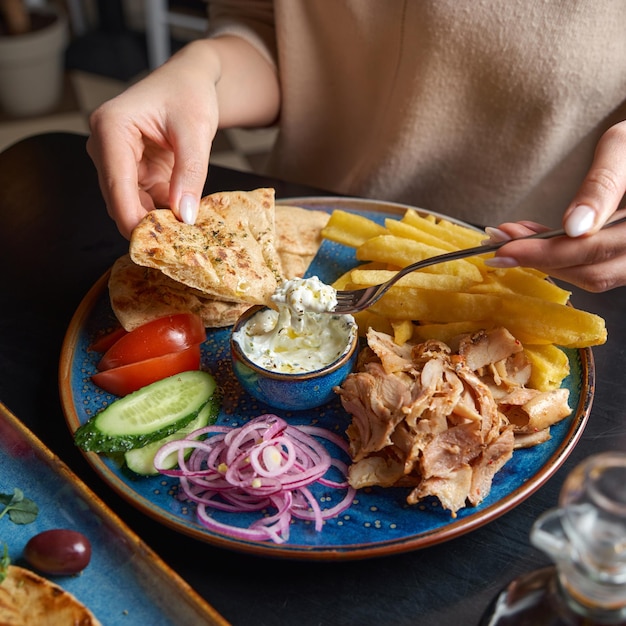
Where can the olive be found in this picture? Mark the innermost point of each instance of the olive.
(58, 552)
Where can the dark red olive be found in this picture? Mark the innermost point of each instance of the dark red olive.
(58, 552)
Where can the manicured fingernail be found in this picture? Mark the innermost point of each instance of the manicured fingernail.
(188, 208)
(495, 235)
(502, 262)
(580, 221)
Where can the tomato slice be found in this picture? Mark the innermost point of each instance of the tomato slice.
(164, 335)
(125, 379)
(103, 343)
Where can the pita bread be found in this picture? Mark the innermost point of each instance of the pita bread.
(27, 598)
(140, 294)
(229, 253)
(299, 236)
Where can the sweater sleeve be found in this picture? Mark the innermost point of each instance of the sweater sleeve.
(252, 20)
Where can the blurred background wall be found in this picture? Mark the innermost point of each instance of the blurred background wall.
(110, 45)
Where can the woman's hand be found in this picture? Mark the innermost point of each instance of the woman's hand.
(589, 258)
(151, 144)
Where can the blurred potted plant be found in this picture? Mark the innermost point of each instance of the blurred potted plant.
(33, 37)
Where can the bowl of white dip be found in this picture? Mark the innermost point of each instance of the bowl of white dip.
(293, 356)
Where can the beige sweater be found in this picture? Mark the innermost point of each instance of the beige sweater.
(486, 110)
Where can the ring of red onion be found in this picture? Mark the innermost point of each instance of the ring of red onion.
(266, 463)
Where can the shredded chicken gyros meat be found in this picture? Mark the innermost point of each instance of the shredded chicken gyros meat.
(441, 419)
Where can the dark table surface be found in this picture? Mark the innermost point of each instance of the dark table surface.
(56, 240)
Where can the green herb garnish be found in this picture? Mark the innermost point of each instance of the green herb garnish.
(21, 510)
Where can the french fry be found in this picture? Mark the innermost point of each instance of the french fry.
(459, 236)
(536, 321)
(366, 319)
(423, 280)
(435, 306)
(450, 234)
(402, 252)
(550, 366)
(346, 278)
(350, 229)
(531, 320)
(402, 229)
(464, 236)
(402, 331)
(516, 280)
(343, 281)
(408, 231)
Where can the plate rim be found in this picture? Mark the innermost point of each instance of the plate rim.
(349, 551)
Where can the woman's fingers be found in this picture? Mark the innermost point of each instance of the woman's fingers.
(192, 148)
(595, 262)
(604, 185)
(116, 160)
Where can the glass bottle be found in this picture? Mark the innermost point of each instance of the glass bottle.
(586, 538)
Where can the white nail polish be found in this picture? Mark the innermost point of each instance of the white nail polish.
(188, 208)
(495, 235)
(580, 221)
(502, 262)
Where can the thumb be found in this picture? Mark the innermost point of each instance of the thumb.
(191, 164)
(604, 185)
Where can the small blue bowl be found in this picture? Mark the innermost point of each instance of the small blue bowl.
(293, 392)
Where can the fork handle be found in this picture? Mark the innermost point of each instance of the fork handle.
(548, 234)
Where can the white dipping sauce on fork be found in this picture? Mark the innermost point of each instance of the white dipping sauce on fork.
(300, 336)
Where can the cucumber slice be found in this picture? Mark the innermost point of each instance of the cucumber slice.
(141, 460)
(151, 413)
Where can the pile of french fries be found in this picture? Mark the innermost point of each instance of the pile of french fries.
(452, 298)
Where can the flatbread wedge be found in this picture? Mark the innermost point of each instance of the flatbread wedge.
(140, 294)
(299, 236)
(27, 598)
(229, 253)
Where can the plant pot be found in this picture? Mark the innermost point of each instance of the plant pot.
(31, 66)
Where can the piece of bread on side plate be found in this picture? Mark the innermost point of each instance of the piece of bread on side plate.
(27, 598)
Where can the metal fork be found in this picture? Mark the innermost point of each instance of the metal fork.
(355, 300)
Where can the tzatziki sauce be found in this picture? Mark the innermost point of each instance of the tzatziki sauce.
(299, 336)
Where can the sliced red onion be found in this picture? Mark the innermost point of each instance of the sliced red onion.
(264, 464)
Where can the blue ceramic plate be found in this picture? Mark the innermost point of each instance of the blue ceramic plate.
(379, 522)
(125, 582)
